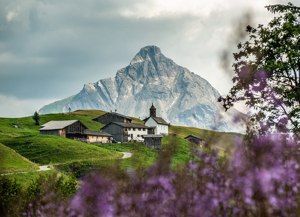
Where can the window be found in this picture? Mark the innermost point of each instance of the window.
(139, 129)
(133, 129)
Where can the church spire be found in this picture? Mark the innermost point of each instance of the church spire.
(152, 111)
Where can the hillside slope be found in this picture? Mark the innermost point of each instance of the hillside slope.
(22, 135)
(11, 161)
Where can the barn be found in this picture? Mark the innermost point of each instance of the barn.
(63, 128)
(74, 129)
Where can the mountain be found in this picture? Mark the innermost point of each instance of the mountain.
(180, 96)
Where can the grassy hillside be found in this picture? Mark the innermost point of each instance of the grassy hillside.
(10, 161)
(21, 135)
(220, 140)
(43, 149)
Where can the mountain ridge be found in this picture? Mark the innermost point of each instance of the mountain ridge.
(181, 97)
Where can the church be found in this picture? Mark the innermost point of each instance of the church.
(161, 127)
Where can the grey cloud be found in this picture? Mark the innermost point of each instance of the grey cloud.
(84, 41)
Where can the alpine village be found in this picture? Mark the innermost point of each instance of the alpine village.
(118, 128)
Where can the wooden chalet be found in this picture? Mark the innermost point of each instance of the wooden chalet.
(194, 139)
(74, 129)
(110, 117)
(63, 128)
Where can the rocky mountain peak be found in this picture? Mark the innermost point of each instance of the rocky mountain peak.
(150, 53)
(150, 50)
(180, 96)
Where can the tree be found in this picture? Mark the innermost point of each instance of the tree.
(267, 71)
(36, 118)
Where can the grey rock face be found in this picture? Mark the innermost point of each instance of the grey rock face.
(180, 96)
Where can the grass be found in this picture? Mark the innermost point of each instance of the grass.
(223, 141)
(25, 179)
(182, 149)
(142, 156)
(21, 135)
(44, 149)
(10, 161)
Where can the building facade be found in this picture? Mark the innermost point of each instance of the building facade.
(126, 132)
(161, 127)
(152, 141)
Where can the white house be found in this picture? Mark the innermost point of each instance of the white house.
(161, 127)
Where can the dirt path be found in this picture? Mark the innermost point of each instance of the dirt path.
(49, 167)
(44, 168)
(41, 168)
(126, 155)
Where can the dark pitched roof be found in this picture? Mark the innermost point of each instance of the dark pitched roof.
(152, 106)
(158, 120)
(128, 125)
(58, 125)
(114, 113)
(192, 137)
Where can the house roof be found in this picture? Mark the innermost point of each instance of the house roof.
(158, 120)
(58, 125)
(193, 137)
(128, 125)
(114, 113)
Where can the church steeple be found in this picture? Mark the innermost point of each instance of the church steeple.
(152, 111)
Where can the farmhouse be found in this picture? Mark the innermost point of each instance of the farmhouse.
(76, 130)
(161, 127)
(113, 117)
(125, 132)
(194, 139)
(152, 141)
(63, 128)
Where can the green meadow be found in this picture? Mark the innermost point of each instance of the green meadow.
(23, 149)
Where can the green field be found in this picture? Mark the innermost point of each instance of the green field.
(44, 149)
(11, 161)
(23, 146)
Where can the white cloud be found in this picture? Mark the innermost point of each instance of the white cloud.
(11, 15)
(14, 107)
(158, 8)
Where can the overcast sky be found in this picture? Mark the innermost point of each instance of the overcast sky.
(50, 48)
